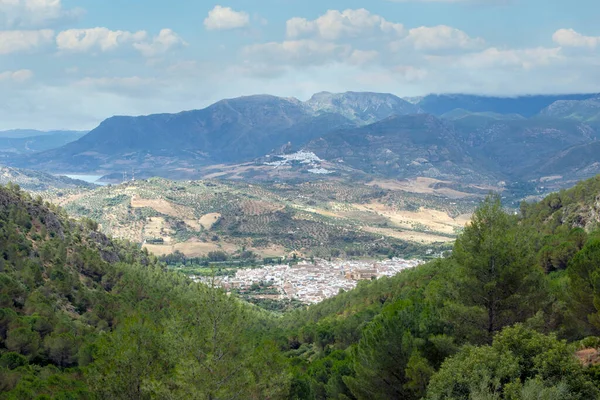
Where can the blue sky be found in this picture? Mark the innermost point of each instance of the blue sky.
(73, 63)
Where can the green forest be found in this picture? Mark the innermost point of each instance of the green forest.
(513, 313)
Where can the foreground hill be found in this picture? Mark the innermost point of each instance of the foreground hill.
(83, 316)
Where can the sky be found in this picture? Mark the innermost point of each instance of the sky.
(69, 64)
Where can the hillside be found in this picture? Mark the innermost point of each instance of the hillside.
(404, 147)
(37, 181)
(587, 110)
(323, 218)
(75, 319)
(84, 316)
(27, 142)
(516, 146)
(364, 108)
(479, 139)
(230, 130)
(527, 106)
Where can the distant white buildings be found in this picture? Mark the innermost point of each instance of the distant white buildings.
(312, 283)
(303, 157)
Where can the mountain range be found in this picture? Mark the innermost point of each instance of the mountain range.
(460, 137)
(23, 141)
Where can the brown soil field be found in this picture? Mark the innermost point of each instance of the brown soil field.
(208, 220)
(156, 228)
(436, 221)
(419, 185)
(167, 208)
(192, 248)
(411, 236)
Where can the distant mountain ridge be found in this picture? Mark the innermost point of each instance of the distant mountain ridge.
(364, 107)
(32, 141)
(479, 137)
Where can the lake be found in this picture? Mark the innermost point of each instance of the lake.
(88, 178)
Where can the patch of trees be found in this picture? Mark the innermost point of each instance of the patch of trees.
(499, 318)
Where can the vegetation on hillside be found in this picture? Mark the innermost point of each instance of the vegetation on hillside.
(82, 316)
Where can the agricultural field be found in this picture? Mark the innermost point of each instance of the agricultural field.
(326, 218)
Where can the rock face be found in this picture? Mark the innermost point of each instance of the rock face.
(364, 108)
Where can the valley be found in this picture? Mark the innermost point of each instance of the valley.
(323, 218)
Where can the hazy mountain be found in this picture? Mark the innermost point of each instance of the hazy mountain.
(476, 137)
(581, 110)
(26, 141)
(362, 107)
(527, 106)
(576, 162)
(513, 147)
(401, 147)
(227, 131)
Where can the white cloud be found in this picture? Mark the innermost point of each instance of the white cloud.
(441, 37)
(160, 44)
(362, 57)
(335, 24)
(297, 52)
(571, 38)
(84, 40)
(519, 58)
(19, 76)
(225, 18)
(35, 13)
(104, 39)
(17, 41)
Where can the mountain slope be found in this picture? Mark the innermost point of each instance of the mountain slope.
(513, 147)
(83, 317)
(14, 142)
(576, 162)
(581, 110)
(526, 106)
(402, 147)
(230, 130)
(363, 107)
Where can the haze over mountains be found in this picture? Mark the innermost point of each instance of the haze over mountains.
(462, 137)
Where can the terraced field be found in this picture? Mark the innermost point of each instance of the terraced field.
(323, 218)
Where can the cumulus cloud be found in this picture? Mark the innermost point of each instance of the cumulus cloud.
(515, 58)
(17, 41)
(35, 13)
(19, 76)
(336, 24)
(297, 52)
(225, 18)
(165, 41)
(104, 40)
(441, 37)
(572, 38)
